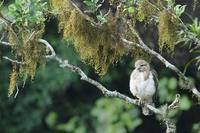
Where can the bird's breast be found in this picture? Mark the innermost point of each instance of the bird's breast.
(142, 88)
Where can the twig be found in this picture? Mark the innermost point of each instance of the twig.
(175, 103)
(87, 17)
(6, 43)
(16, 91)
(11, 60)
(53, 53)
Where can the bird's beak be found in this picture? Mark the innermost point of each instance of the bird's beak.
(139, 69)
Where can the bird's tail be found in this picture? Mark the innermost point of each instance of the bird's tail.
(146, 111)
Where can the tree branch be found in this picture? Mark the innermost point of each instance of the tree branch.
(11, 60)
(53, 53)
(129, 44)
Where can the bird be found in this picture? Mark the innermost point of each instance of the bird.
(143, 84)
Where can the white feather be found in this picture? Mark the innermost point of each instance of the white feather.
(141, 88)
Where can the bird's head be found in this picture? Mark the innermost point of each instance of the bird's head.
(142, 65)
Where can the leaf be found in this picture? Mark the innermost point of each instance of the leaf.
(51, 119)
(102, 19)
(89, 3)
(12, 8)
(185, 103)
(172, 83)
(179, 9)
(131, 9)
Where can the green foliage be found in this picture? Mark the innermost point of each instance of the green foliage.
(28, 13)
(51, 119)
(129, 6)
(75, 125)
(194, 28)
(196, 128)
(185, 103)
(179, 9)
(167, 89)
(91, 5)
(102, 19)
(131, 9)
(112, 115)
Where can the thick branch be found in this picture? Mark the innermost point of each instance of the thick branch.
(106, 92)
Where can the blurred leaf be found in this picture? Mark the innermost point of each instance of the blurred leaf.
(185, 103)
(196, 128)
(172, 83)
(114, 116)
(68, 126)
(131, 9)
(51, 119)
(74, 125)
(173, 113)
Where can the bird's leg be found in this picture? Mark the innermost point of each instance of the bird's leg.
(141, 102)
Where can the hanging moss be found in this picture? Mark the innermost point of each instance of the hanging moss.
(98, 47)
(13, 81)
(168, 27)
(28, 51)
(32, 54)
(145, 11)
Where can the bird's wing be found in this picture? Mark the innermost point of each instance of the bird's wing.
(155, 77)
(134, 74)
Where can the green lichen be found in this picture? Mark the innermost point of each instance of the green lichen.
(98, 47)
(13, 80)
(28, 51)
(145, 11)
(167, 27)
